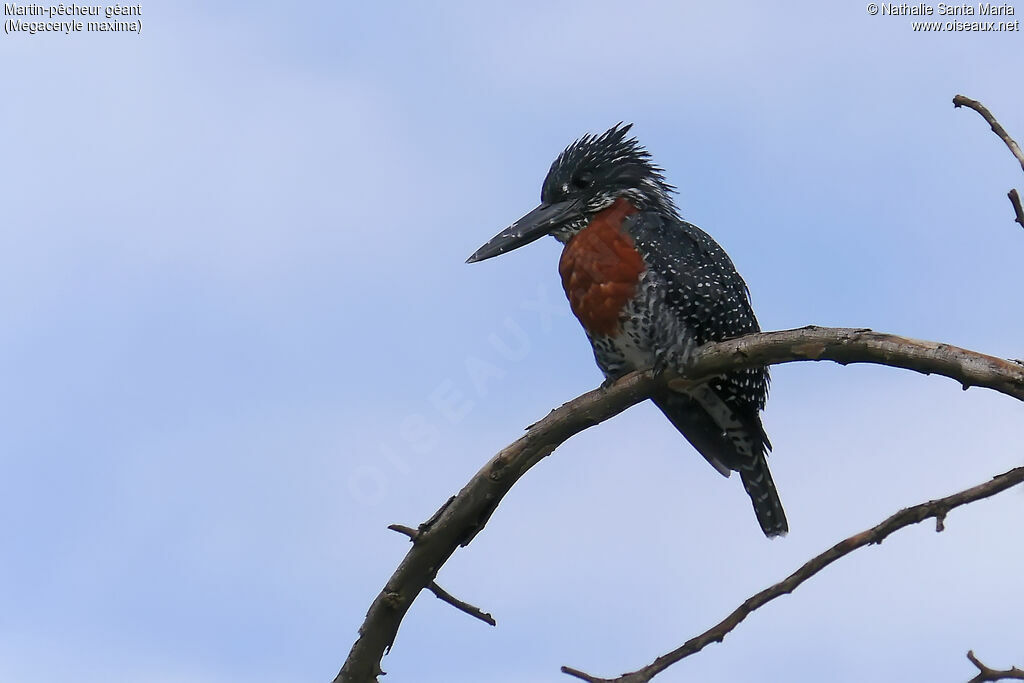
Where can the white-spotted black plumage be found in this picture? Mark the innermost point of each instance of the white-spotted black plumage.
(687, 293)
(700, 298)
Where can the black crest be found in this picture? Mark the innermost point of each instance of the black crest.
(608, 164)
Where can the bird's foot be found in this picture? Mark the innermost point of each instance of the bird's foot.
(661, 364)
(676, 357)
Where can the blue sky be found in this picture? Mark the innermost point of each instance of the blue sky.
(232, 287)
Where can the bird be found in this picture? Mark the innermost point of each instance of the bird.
(649, 288)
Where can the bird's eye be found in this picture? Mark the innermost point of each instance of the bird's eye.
(583, 180)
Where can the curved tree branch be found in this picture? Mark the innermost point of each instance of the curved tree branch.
(875, 535)
(465, 514)
(961, 101)
(986, 674)
(997, 128)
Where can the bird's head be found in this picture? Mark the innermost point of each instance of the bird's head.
(586, 178)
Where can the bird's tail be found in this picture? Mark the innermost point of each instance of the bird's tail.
(729, 444)
(757, 480)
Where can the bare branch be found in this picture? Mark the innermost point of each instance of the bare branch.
(1018, 210)
(987, 674)
(960, 100)
(846, 345)
(876, 534)
(465, 514)
(977, 106)
(405, 531)
(469, 609)
(576, 673)
(441, 593)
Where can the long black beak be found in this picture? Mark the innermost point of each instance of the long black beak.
(531, 227)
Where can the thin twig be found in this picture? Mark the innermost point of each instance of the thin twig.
(986, 674)
(441, 593)
(1018, 210)
(469, 609)
(977, 106)
(405, 531)
(903, 518)
(997, 128)
(464, 515)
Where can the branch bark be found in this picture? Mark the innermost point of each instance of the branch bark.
(462, 606)
(1018, 210)
(936, 509)
(961, 101)
(464, 515)
(986, 674)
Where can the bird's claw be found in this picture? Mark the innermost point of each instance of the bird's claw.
(677, 357)
(660, 364)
